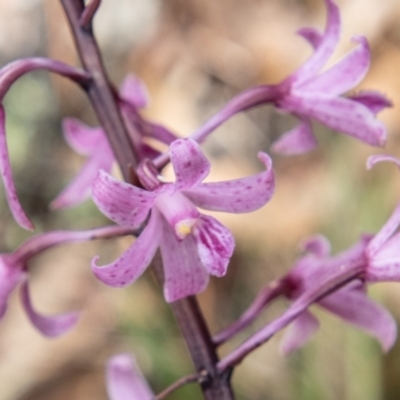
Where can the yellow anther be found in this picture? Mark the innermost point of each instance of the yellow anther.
(184, 227)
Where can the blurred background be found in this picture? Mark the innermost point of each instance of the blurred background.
(194, 56)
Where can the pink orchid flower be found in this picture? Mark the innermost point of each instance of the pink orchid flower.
(14, 271)
(192, 245)
(310, 94)
(349, 303)
(92, 142)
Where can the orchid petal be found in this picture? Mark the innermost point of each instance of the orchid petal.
(184, 274)
(313, 36)
(299, 332)
(377, 158)
(373, 100)
(317, 245)
(311, 271)
(11, 275)
(384, 264)
(344, 75)
(238, 195)
(82, 138)
(134, 91)
(5, 169)
(81, 186)
(298, 140)
(125, 381)
(49, 326)
(189, 163)
(385, 232)
(355, 307)
(125, 204)
(132, 263)
(326, 46)
(338, 113)
(215, 244)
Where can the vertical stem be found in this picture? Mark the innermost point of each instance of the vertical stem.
(100, 92)
(216, 385)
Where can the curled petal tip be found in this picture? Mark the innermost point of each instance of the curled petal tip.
(360, 39)
(60, 324)
(50, 326)
(266, 159)
(377, 158)
(108, 274)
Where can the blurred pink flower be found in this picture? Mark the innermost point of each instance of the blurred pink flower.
(349, 303)
(14, 271)
(92, 142)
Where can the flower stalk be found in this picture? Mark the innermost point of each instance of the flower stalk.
(104, 102)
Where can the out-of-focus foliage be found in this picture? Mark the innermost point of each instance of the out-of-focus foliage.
(194, 56)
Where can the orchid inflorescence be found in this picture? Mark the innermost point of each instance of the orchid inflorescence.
(165, 214)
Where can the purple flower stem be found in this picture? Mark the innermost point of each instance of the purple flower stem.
(215, 385)
(335, 281)
(267, 294)
(186, 311)
(16, 69)
(179, 383)
(39, 243)
(242, 102)
(88, 14)
(100, 92)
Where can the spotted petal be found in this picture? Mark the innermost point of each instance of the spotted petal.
(125, 381)
(125, 204)
(189, 163)
(338, 113)
(326, 46)
(49, 326)
(132, 263)
(373, 100)
(344, 75)
(355, 307)
(238, 195)
(215, 244)
(184, 274)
